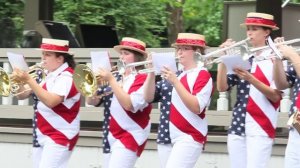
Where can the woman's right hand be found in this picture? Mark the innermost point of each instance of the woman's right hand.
(287, 51)
(227, 43)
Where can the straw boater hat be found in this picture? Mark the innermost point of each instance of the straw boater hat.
(190, 39)
(131, 44)
(260, 19)
(55, 45)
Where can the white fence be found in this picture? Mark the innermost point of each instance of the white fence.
(15, 126)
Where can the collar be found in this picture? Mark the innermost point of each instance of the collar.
(59, 70)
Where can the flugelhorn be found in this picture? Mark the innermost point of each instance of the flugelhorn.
(10, 86)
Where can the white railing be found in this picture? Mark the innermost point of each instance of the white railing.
(14, 109)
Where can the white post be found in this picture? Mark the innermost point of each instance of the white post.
(7, 100)
(222, 102)
(285, 103)
(23, 102)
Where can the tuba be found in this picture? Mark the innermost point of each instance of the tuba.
(10, 86)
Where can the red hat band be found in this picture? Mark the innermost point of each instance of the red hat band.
(54, 47)
(190, 41)
(253, 20)
(132, 44)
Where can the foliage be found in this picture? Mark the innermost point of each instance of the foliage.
(144, 20)
(204, 17)
(12, 22)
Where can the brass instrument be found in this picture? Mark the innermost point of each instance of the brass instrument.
(207, 59)
(122, 66)
(246, 52)
(86, 81)
(10, 86)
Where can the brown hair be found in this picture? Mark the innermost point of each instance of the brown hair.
(138, 57)
(199, 49)
(68, 58)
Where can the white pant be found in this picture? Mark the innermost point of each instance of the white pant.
(292, 152)
(121, 157)
(105, 161)
(51, 155)
(249, 151)
(164, 151)
(185, 153)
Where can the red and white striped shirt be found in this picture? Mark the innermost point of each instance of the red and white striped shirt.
(184, 122)
(131, 128)
(261, 116)
(60, 123)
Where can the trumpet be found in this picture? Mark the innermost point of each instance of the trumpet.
(122, 66)
(246, 52)
(10, 86)
(207, 58)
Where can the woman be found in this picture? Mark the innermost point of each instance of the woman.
(129, 121)
(284, 80)
(56, 121)
(252, 131)
(184, 98)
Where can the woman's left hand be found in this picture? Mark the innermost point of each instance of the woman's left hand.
(169, 75)
(104, 75)
(243, 74)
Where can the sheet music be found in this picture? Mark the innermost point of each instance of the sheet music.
(159, 60)
(17, 61)
(235, 61)
(100, 59)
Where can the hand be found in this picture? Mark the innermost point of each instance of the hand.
(20, 76)
(243, 74)
(149, 58)
(227, 43)
(287, 51)
(104, 75)
(298, 116)
(169, 75)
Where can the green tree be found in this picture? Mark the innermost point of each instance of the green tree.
(204, 17)
(11, 22)
(144, 20)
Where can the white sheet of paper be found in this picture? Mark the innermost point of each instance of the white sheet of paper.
(100, 59)
(159, 60)
(17, 61)
(235, 61)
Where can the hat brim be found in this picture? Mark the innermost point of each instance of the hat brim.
(263, 25)
(55, 51)
(186, 44)
(118, 48)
